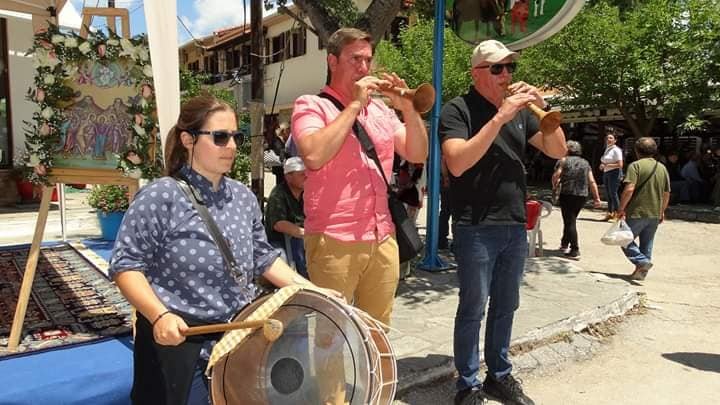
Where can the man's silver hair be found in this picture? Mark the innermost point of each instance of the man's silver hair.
(574, 148)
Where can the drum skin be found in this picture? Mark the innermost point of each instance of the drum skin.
(329, 353)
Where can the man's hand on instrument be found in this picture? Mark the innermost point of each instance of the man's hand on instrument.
(364, 87)
(512, 104)
(522, 87)
(398, 101)
(167, 330)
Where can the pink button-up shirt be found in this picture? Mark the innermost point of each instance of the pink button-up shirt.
(346, 199)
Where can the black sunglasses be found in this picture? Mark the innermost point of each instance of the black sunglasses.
(497, 68)
(221, 138)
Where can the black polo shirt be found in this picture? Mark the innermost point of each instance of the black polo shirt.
(493, 190)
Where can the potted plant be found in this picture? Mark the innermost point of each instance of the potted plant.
(111, 202)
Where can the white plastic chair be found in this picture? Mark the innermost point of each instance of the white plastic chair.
(535, 237)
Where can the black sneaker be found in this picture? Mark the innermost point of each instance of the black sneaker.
(469, 396)
(507, 391)
(573, 254)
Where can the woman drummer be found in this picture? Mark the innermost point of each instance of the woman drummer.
(168, 267)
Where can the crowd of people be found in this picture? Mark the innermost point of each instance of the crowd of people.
(329, 215)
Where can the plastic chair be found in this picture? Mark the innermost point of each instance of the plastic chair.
(536, 210)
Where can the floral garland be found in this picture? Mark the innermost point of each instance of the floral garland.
(57, 58)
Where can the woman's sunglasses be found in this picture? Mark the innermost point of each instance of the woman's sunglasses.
(497, 68)
(221, 138)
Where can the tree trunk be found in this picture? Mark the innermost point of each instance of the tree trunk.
(376, 20)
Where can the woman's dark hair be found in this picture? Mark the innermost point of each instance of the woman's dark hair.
(193, 115)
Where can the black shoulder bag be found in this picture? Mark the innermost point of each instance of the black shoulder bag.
(406, 234)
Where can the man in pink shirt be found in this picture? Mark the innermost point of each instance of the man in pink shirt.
(349, 235)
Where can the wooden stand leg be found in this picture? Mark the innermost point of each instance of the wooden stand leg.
(29, 275)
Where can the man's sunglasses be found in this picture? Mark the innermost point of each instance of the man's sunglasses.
(221, 138)
(497, 68)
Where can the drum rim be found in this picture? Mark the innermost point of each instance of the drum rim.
(361, 326)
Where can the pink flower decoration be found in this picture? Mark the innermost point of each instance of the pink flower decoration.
(139, 119)
(46, 44)
(101, 50)
(146, 91)
(40, 170)
(40, 95)
(45, 129)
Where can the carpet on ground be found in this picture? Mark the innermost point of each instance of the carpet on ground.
(71, 302)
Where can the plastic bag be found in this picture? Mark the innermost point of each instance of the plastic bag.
(619, 234)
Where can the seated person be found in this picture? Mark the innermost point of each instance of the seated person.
(691, 173)
(284, 216)
(678, 185)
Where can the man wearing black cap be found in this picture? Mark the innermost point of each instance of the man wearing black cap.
(484, 134)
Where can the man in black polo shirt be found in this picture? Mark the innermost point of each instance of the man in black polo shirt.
(484, 134)
(284, 216)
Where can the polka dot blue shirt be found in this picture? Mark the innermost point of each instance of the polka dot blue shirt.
(164, 237)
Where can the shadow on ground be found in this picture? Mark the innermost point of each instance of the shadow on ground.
(700, 361)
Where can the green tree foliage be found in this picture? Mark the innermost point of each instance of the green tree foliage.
(413, 59)
(192, 84)
(651, 59)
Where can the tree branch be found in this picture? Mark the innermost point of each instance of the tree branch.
(324, 23)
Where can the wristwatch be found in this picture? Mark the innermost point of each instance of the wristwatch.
(547, 107)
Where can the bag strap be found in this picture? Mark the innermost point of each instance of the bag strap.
(652, 173)
(199, 204)
(362, 136)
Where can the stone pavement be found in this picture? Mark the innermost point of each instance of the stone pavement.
(557, 298)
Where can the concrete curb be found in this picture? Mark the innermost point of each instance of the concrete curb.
(572, 324)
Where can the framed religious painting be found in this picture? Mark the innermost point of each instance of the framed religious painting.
(96, 108)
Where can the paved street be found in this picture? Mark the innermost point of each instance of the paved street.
(650, 357)
(669, 355)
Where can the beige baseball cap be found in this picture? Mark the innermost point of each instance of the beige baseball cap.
(491, 51)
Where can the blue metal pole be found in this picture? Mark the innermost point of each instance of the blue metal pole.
(431, 261)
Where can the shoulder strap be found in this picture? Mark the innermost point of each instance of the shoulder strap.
(362, 136)
(652, 173)
(197, 201)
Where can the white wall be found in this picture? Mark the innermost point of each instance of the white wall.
(302, 75)
(21, 73)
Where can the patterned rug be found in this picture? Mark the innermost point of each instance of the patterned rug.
(71, 301)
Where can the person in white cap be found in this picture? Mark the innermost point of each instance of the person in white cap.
(484, 134)
(284, 216)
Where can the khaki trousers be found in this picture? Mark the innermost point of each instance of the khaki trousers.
(365, 272)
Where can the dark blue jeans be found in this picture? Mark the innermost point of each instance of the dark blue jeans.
(644, 229)
(611, 180)
(491, 261)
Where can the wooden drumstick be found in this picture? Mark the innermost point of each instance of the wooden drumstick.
(272, 328)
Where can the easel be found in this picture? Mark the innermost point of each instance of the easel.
(64, 176)
(57, 176)
(110, 14)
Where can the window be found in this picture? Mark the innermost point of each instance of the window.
(246, 54)
(298, 45)
(229, 59)
(278, 48)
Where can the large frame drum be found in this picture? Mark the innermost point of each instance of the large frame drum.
(329, 353)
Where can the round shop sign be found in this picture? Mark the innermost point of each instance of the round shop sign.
(517, 23)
